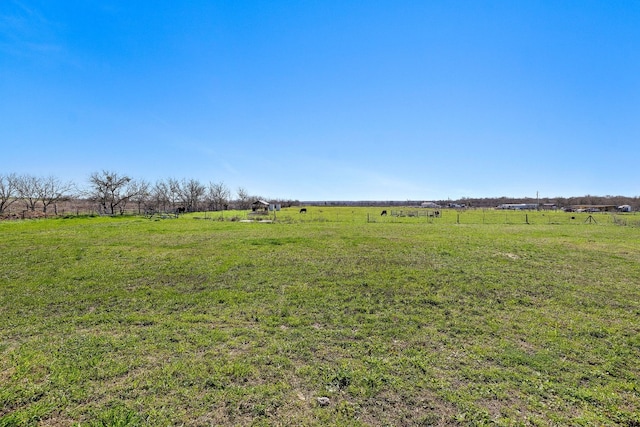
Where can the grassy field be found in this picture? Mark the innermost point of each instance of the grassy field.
(474, 318)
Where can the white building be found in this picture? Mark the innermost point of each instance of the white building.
(519, 206)
(431, 205)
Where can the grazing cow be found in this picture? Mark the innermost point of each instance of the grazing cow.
(383, 213)
(181, 209)
(303, 210)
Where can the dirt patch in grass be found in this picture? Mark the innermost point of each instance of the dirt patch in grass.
(399, 409)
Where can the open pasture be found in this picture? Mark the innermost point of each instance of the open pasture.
(403, 321)
(432, 216)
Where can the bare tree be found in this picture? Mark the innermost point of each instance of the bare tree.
(218, 196)
(111, 190)
(51, 190)
(141, 193)
(174, 192)
(191, 192)
(161, 195)
(27, 186)
(244, 199)
(8, 191)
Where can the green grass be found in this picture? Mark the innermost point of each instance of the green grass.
(403, 321)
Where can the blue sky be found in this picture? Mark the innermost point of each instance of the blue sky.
(327, 100)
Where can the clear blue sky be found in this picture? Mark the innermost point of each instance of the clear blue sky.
(327, 100)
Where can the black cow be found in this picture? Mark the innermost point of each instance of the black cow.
(383, 213)
(303, 210)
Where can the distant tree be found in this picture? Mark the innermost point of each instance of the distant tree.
(586, 200)
(244, 199)
(161, 195)
(51, 190)
(191, 193)
(142, 193)
(175, 192)
(111, 190)
(561, 202)
(8, 191)
(218, 195)
(27, 186)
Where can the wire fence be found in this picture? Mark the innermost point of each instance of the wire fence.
(450, 216)
(368, 215)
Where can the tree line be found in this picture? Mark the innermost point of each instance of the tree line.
(112, 193)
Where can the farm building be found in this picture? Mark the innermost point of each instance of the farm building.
(518, 206)
(260, 205)
(624, 208)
